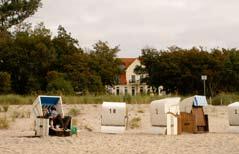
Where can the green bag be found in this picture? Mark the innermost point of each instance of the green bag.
(73, 130)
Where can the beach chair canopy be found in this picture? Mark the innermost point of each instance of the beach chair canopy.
(44, 101)
(233, 114)
(160, 108)
(187, 104)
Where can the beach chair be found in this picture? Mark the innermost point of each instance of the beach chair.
(113, 117)
(233, 114)
(233, 117)
(164, 115)
(193, 118)
(41, 122)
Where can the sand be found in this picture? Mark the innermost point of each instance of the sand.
(19, 137)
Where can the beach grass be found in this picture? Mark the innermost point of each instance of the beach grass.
(12, 99)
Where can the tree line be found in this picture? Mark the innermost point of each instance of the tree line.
(32, 60)
(179, 70)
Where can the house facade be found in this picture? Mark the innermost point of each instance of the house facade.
(130, 82)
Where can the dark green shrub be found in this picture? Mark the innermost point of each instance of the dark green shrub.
(60, 85)
(5, 82)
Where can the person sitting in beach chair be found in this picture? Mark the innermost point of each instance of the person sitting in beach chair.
(59, 125)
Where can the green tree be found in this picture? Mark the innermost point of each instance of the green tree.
(231, 70)
(71, 59)
(180, 70)
(28, 57)
(104, 62)
(13, 12)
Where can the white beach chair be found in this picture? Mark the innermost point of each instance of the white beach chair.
(163, 115)
(233, 117)
(113, 117)
(41, 123)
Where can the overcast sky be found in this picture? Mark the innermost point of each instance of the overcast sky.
(134, 24)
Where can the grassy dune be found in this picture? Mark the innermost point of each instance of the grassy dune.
(88, 99)
(11, 99)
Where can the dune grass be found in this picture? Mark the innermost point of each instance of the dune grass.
(135, 123)
(89, 99)
(4, 123)
(73, 112)
(11, 99)
(225, 98)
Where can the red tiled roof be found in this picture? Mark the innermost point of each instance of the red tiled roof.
(122, 79)
(126, 62)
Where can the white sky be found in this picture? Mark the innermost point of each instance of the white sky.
(135, 24)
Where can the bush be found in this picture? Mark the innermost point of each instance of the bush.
(135, 123)
(60, 85)
(5, 82)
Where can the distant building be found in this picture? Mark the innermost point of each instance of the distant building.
(129, 82)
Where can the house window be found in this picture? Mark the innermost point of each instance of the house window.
(125, 90)
(141, 90)
(133, 91)
(117, 91)
(117, 79)
(148, 90)
(133, 78)
(141, 78)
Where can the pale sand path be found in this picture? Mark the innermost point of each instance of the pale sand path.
(17, 139)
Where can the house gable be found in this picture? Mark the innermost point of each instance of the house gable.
(126, 62)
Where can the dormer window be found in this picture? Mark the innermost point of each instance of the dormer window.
(133, 78)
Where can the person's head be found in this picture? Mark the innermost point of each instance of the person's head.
(53, 108)
(53, 113)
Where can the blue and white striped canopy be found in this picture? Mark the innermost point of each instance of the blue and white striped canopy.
(199, 100)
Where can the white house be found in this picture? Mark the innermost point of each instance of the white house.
(129, 82)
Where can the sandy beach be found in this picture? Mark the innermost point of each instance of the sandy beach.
(19, 138)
